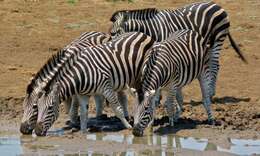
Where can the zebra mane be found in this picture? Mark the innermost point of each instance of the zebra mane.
(56, 75)
(139, 14)
(52, 61)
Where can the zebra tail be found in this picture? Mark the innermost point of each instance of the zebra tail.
(238, 51)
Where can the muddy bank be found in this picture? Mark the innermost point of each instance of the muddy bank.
(235, 120)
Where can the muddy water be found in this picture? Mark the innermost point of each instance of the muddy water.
(127, 145)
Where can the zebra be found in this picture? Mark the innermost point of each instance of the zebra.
(103, 69)
(207, 18)
(172, 64)
(47, 72)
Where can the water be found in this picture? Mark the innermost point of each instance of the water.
(238, 146)
(10, 146)
(162, 145)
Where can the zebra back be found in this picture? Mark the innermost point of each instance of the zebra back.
(140, 14)
(207, 18)
(121, 60)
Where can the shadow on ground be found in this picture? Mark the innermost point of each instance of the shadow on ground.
(221, 100)
(113, 124)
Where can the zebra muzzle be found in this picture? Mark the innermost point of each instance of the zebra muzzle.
(138, 131)
(25, 128)
(39, 129)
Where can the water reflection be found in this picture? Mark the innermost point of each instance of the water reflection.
(243, 147)
(238, 146)
(146, 153)
(158, 145)
(156, 140)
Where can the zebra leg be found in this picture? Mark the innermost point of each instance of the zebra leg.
(172, 105)
(179, 98)
(122, 98)
(178, 104)
(83, 102)
(157, 98)
(112, 98)
(204, 80)
(214, 52)
(67, 105)
(74, 112)
(214, 68)
(99, 100)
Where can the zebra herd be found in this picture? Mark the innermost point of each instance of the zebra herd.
(147, 51)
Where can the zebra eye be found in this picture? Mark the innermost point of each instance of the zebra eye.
(40, 94)
(34, 106)
(50, 106)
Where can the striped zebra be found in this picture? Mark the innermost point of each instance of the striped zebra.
(104, 69)
(207, 18)
(172, 64)
(46, 74)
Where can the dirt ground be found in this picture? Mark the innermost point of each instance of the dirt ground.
(32, 30)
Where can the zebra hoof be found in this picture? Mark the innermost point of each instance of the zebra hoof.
(74, 129)
(84, 131)
(211, 122)
(70, 126)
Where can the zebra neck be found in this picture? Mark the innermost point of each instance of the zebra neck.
(145, 27)
(66, 90)
(49, 70)
(69, 83)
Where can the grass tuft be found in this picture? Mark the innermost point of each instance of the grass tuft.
(130, 1)
(72, 1)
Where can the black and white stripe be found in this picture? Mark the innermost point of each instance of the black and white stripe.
(47, 72)
(172, 64)
(104, 69)
(207, 18)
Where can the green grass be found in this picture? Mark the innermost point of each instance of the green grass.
(72, 1)
(130, 1)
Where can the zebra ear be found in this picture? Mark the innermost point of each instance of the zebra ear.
(55, 89)
(125, 16)
(29, 88)
(117, 13)
(41, 93)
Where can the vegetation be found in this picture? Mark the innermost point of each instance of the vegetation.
(72, 1)
(130, 1)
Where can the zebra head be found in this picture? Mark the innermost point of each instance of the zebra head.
(144, 112)
(30, 115)
(133, 21)
(48, 109)
(119, 19)
(30, 109)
